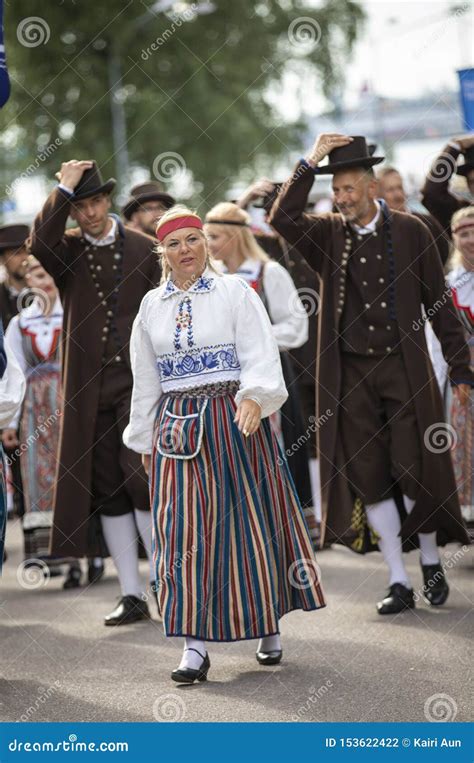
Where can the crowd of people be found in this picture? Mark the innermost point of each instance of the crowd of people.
(186, 403)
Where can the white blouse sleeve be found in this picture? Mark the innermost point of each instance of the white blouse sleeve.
(287, 312)
(13, 338)
(261, 377)
(146, 392)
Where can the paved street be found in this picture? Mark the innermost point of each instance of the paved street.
(344, 663)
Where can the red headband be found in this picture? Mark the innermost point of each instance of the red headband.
(465, 222)
(176, 223)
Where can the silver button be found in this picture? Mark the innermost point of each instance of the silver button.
(364, 283)
(381, 280)
(375, 233)
(389, 349)
(99, 267)
(339, 309)
(383, 304)
(366, 305)
(389, 328)
(379, 256)
(371, 328)
(90, 256)
(359, 238)
(104, 338)
(114, 267)
(105, 330)
(341, 301)
(118, 358)
(100, 293)
(110, 313)
(370, 351)
(362, 259)
(104, 303)
(117, 256)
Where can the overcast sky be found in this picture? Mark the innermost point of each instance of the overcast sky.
(411, 47)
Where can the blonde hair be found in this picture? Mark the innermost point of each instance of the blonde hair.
(244, 240)
(456, 255)
(170, 214)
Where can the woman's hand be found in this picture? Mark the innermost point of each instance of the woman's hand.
(146, 461)
(10, 438)
(248, 417)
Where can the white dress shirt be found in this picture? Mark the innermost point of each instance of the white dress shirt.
(225, 335)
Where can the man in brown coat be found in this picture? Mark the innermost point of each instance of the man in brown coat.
(391, 189)
(102, 270)
(382, 435)
(436, 195)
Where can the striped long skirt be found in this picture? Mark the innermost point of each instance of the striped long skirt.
(231, 547)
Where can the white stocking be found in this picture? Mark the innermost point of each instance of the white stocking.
(429, 553)
(384, 520)
(315, 478)
(121, 537)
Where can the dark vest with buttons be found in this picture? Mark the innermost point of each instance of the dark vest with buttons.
(368, 322)
(105, 265)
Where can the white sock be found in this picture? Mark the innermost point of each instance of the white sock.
(315, 478)
(144, 524)
(191, 659)
(384, 520)
(121, 537)
(429, 553)
(269, 643)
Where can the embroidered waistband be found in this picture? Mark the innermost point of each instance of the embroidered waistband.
(218, 389)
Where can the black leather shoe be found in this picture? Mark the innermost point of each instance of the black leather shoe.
(94, 573)
(269, 658)
(398, 598)
(130, 609)
(435, 590)
(189, 675)
(73, 578)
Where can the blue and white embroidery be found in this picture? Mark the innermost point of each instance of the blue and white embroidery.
(203, 361)
(184, 320)
(203, 284)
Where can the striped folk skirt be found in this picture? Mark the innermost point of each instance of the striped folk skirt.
(232, 550)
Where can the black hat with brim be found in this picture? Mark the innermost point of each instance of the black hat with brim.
(13, 236)
(91, 184)
(135, 202)
(356, 154)
(468, 166)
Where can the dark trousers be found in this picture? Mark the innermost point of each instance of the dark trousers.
(378, 427)
(119, 483)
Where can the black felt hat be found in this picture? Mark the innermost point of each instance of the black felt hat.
(356, 154)
(151, 191)
(91, 184)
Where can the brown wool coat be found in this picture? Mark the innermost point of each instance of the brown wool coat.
(62, 254)
(418, 280)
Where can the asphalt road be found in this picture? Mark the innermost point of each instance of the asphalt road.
(343, 663)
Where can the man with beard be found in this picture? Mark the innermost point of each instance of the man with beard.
(102, 270)
(147, 203)
(386, 482)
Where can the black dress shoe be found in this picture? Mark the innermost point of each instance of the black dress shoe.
(130, 609)
(189, 675)
(269, 658)
(435, 590)
(73, 578)
(94, 573)
(398, 598)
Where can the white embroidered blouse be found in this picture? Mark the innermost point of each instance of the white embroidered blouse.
(217, 330)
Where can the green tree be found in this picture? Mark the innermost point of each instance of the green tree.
(188, 78)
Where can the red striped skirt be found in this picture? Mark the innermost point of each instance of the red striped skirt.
(231, 547)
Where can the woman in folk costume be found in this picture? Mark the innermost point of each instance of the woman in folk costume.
(232, 241)
(232, 549)
(33, 336)
(461, 281)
